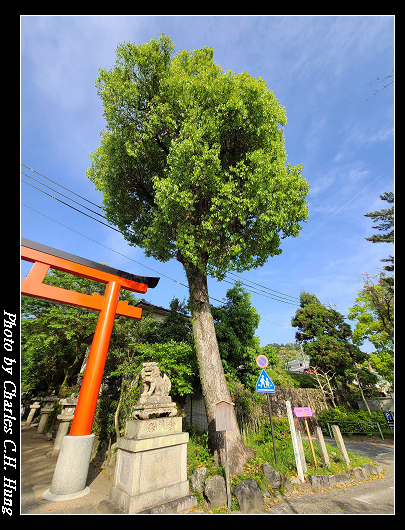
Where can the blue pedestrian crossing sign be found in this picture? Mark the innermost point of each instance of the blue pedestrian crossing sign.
(265, 384)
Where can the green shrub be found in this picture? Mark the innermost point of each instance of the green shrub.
(341, 413)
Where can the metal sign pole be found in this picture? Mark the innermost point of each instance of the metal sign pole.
(266, 386)
(272, 431)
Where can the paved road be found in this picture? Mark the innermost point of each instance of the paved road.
(374, 497)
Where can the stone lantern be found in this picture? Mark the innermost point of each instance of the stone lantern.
(45, 411)
(33, 408)
(68, 411)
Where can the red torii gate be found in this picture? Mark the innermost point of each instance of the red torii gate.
(44, 258)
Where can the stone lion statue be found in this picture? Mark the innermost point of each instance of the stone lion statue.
(153, 382)
(155, 399)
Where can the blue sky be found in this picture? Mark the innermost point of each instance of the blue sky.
(319, 67)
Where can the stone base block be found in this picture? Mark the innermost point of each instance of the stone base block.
(177, 506)
(151, 500)
(151, 471)
(72, 467)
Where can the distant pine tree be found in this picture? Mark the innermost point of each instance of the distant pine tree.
(386, 216)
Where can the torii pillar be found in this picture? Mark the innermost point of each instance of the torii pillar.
(70, 475)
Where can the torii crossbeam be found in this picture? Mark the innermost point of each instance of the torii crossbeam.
(45, 258)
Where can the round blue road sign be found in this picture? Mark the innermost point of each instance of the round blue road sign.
(262, 361)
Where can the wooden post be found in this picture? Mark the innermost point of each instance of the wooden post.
(322, 447)
(294, 441)
(223, 422)
(228, 487)
(340, 444)
(309, 438)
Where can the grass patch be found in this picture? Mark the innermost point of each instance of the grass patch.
(199, 455)
(262, 444)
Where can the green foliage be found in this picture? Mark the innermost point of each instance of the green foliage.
(262, 443)
(326, 337)
(386, 218)
(341, 413)
(52, 334)
(281, 377)
(192, 161)
(198, 452)
(285, 353)
(176, 325)
(248, 407)
(272, 356)
(373, 312)
(176, 360)
(281, 429)
(235, 324)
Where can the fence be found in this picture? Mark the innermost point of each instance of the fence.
(352, 427)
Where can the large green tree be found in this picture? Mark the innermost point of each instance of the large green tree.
(192, 166)
(373, 312)
(326, 337)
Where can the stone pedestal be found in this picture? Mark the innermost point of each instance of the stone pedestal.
(151, 470)
(66, 416)
(45, 411)
(154, 405)
(33, 408)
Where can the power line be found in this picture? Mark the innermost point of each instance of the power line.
(274, 297)
(141, 264)
(70, 206)
(265, 295)
(67, 189)
(264, 287)
(102, 245)
(137, 262)
(265, 291)
(345, 204)
(52, 189)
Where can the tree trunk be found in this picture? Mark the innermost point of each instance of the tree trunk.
(117, 420)
(362, 394)
(212, 375)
